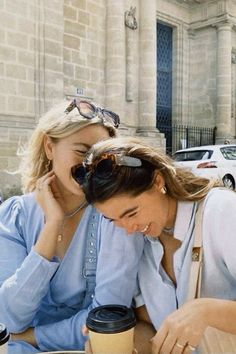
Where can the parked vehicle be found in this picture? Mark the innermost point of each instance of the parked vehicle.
(210, 161)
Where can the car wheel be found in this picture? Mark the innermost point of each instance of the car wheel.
(229, 182)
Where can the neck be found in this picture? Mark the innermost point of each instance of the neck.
(171, 216)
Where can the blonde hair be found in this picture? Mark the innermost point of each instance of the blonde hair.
(180, 183)
(57, 125)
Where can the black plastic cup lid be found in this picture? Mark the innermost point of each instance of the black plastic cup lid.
(110, 319)
(4, 335)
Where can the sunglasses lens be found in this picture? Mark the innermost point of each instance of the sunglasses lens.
(104, 168)
(86, 109)
(79, 174)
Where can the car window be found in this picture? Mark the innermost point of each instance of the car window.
(229, 153)
(192, 155)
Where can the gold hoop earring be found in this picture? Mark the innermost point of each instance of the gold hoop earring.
(163, 190)
(48, 166)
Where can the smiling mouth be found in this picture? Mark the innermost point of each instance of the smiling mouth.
(145, 229)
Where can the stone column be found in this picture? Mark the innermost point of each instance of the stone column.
(147, 65)
(130, 52)
(115, 65)
(147, 75)
(223, 118)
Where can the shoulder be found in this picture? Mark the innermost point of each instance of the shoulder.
(220, 200)
(219, 215)
(18, 208)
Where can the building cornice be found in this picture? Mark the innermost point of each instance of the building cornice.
(191, 2)
(215, 21)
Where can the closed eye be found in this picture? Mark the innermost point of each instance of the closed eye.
(80, 152)
(105, 217)
(131, 215)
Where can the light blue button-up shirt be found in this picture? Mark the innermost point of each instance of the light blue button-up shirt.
(48, 295)
(158, 292)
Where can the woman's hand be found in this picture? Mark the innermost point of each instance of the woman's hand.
(182, 330)
(88, 349)
(49, 197)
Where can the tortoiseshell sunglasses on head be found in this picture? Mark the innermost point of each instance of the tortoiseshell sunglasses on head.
(104, 166)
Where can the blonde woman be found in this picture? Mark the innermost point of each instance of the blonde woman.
(58, 256)
(139, 189)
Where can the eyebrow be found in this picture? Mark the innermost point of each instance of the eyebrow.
(128, 211)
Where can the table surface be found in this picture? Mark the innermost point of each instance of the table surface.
(64, 352)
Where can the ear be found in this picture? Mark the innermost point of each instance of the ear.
(47, 142)
(159, 182)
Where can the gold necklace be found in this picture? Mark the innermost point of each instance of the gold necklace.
(68, 216)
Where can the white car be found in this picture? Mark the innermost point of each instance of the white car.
(210, 161)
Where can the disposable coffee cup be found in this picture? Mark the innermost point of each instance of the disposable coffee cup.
(111, 329)
(4, 337)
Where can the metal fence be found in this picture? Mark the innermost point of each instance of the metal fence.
(183, 136)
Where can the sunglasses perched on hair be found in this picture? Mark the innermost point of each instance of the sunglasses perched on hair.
(89, 110)
(104, 167)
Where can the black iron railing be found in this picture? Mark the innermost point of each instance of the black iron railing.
(183, 136)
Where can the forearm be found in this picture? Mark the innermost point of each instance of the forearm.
(143, 333)
(142, 314)
(22, 293)
(65, 334)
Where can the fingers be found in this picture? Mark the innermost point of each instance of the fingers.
(163, 342)
(85, 330)
(88, 349)
(189, 349)
(158, 340)
(177, 348)
(45, 181)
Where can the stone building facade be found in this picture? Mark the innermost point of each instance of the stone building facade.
(106, 50)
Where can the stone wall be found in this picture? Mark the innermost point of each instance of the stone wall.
(50, 50)
(85, 48)
(202, 77)
(31, 74)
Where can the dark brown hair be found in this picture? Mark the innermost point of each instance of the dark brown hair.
(180, 183)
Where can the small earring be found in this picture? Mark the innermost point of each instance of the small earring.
(163, 190)
(48, 166)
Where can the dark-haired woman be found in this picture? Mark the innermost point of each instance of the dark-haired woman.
(138, 188)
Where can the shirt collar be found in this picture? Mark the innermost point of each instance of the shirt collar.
(183, 219)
